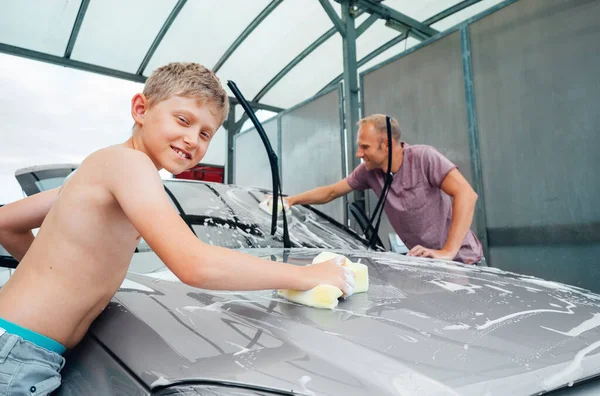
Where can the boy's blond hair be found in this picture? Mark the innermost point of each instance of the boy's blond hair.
(189, 80)
(378, 121)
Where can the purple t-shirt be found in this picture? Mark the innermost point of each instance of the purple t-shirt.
(419, 211)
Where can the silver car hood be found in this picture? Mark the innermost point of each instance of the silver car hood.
(424, 328)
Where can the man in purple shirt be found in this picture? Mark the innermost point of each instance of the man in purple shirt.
(419, 204)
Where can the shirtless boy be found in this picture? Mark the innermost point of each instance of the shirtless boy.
(90, 227)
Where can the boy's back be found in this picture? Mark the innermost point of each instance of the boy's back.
(78, 259)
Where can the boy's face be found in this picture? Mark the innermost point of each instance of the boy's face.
(177, 132)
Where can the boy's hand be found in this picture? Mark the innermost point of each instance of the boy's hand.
(331, 272)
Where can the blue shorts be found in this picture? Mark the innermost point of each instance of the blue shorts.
(27, 368)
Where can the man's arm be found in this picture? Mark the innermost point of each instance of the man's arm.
(193, 262)
(17, 219)
(463, 207)
(321, 195)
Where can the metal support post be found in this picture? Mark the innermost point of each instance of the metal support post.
(480, 213)
(231, 131)
(351, 93)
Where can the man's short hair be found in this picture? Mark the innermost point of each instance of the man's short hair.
(378, 121)
(190, 80)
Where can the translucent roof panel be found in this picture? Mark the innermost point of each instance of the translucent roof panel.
(309, 76)
(204, 30)
(276, 42)
(422, 9)
(465, 14)
(326, 62)
(43, 26)
(393, 51)
(377, 35)
(119, 37)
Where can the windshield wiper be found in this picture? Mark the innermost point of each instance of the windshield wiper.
(273, 162)
(8, 262)
(389, 177)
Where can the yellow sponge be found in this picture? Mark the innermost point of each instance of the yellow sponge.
(361, 271)
(322, 296)
(324, 256)
(326, 296)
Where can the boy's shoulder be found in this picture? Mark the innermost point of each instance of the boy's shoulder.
(120, 158)
(119, 151)
(111, 165)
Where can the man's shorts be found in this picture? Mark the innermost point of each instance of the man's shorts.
(26, 368)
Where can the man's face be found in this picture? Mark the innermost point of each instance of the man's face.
(177, 132)
(371, 148)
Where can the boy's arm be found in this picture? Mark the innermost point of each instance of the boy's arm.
(17, 219)
(138, 188)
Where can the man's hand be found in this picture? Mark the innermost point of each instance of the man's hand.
(286, 200)
(289, 201)
(420, 251)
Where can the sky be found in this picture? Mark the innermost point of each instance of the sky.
(52, 114)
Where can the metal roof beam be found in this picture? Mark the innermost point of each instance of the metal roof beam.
(253, 25)
(60, 61)
(366, 24)
(76, 26)
(258, 106)
(307, 51)
(417, 35)
(67, 62)
(449, 11)
(388, 13)
(337, 22)
(351, 89)
(398, 39)
(389, 44)
(161, 34)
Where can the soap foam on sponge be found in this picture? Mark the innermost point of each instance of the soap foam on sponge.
(326, 296)
(267, 206)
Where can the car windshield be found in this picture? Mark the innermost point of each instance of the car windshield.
(230, 217)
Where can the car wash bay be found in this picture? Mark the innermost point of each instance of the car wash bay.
(507, 90)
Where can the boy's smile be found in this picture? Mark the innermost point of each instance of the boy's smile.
(182, 153)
